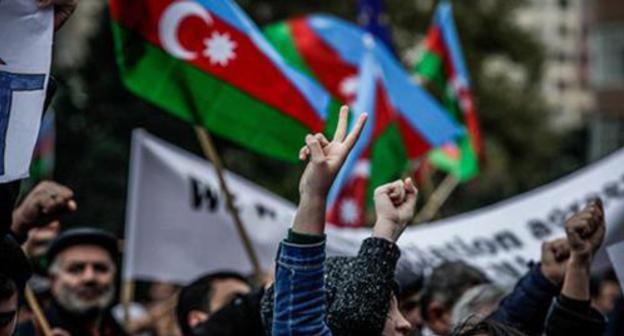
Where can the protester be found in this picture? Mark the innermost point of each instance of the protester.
(207, 295)
(82, 272)
(14, 272)
(443, 288)
(409, 303)
(352, 296)
(605, 290)
(526, 307)
(571, 312)
(477, 303)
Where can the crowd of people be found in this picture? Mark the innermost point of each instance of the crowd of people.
(73, 275)
(56, 281)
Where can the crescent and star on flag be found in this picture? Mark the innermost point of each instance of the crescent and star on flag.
(219, 48)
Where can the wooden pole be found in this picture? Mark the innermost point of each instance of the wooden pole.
(40, 317)
(208, 147)
(437, 199)
(127, 295)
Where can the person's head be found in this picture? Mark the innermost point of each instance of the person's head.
(443, 288)
(82, 270)
(14, 273)
(409, 304)
(396, 324)
(605, 291)
(480, 327)
(206, 295)
(479, 302)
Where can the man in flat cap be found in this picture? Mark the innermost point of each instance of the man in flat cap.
(82, 275)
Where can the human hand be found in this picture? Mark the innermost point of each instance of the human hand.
(555, 254)
(395, 203)
(585, 231)
(326, 158)
(40, 238)
(63, 9)
(47, 202)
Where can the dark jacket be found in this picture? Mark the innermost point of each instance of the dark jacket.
(525, 308)
(72, 323)
(358, 289)
(239, 317)
(568, 317)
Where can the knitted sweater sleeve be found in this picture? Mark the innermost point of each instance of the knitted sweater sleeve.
(361, 302)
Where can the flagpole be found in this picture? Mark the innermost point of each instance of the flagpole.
(437, 199)
(34, 305)
(208, 147)
(127, 295)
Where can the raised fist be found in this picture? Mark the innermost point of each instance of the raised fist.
(555, 254)
(585, 231)
(44, 204)
(63, 9)
(395, 203)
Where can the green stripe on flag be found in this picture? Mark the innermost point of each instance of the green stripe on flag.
(185, 91)
(388, 160)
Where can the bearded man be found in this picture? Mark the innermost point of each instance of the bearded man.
(82, 276)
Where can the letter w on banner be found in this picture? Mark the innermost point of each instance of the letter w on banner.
(177, 226)
(25, 57)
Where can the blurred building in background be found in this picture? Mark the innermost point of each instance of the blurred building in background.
(605, 49)
(559, 25)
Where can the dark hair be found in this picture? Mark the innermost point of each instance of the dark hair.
(14, 264)
(7, 288)
(197, 295)
(448, 282)
(485, 327)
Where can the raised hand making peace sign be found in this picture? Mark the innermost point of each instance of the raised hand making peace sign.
(325, 160)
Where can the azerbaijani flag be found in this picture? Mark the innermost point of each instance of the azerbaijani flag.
(42, 166)
(408, 121)
(330, 49)
(348, 195)
(442, 65)
(207, 63)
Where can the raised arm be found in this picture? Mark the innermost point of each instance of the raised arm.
(571, 313)
(299, 307)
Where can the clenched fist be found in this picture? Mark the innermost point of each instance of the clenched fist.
(44, 204)
(555, 254)
(395, 203)
(63, 9)
(585, 231)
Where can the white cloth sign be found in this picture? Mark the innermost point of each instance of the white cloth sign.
(616, 255)
(25, 56)
(501, 238)
(177, 224)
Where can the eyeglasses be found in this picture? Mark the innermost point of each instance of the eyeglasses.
(6, 318)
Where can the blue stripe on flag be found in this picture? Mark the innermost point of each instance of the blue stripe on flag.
(228, 11)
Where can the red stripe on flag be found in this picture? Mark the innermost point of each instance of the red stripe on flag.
(324, 62)
(247, 69)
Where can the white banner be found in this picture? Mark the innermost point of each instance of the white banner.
(501, 238)
(25, 56)
(616, 255)
(177, 226)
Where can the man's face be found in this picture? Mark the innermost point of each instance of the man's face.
(82, 278)
(225, 290)
(410, 308)
(396, 324)
(609, 292)
(8, 315)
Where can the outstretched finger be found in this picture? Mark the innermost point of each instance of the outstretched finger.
(355, 132)
(343, 120)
